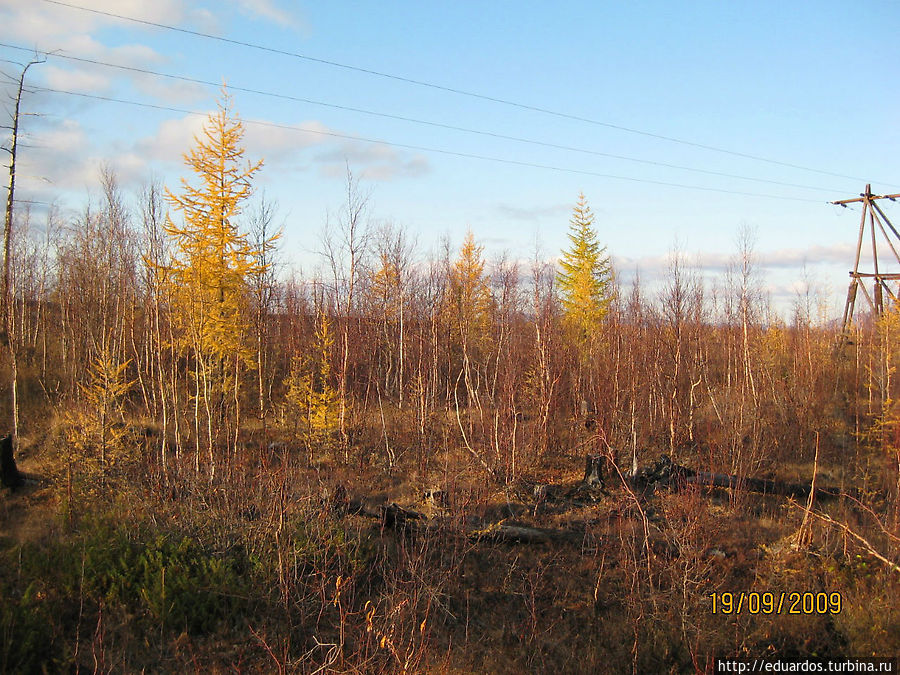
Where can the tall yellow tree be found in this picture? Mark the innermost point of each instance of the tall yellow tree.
(585, 277)
(211, 265)
(471, 303)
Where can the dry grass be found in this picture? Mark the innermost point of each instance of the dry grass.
(619, 582)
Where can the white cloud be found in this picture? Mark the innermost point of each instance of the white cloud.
(171, 91)
(371, 161)
(205, 21)
(275, 145)
(35, 22)
(88, 80)
(171, 140)
(66, 138)
(835, 253)
(267, 10)
(55, 157)
(50, 27)
(712, 261)
(62, 155)
(129, 167)
(535, 213)
(75, 33)
(288, 146)
(159, 11)
(68, 32)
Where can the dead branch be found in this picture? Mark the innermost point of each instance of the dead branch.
(859, 538)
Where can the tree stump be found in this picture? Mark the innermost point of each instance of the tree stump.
(434, 497)
(593, 471)
(9, 473)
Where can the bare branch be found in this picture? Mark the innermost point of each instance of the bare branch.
(846, 528)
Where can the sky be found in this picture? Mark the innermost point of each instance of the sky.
(642, 106)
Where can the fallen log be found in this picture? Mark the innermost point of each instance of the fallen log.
(766, 486)
(666, 473)
(391, 516)
(511, 533)
(663, 473)
(395, 517)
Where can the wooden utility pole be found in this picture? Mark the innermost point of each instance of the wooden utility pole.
(872, 216)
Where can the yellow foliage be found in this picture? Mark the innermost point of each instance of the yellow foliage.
(213, 262)
(95, 429)
(212, 258)
(885, 430)
(585, 276)
(773, 348)
(470, 296)
(385, 288)
(309, 391)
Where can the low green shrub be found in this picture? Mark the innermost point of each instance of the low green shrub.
(24, 630)
(142, 580)
(168, 581)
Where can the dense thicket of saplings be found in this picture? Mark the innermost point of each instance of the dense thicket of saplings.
(199, 413)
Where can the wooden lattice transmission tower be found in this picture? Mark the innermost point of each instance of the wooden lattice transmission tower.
(873, 220)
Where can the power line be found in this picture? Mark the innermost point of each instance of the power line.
(421, 148)
(29, 201)
(440, 125)
(452, 90)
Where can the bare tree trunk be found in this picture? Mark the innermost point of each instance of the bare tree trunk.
(344, 272)
(7, 236)
(237, 403)
(400, 372)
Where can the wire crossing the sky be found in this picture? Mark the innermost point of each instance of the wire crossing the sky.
(421, 148)
(430, 123)
(452, 90)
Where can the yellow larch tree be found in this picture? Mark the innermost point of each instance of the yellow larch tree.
(96, 429)
(310, 394)
(386, 297)
(585, 277)
(385, 287)
(470, 304)
(211, 265)
(585, 288)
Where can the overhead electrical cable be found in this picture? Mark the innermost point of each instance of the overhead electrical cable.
(421, 148)
(452, 90)
(18, 200)
(441, 125)
(32, 201)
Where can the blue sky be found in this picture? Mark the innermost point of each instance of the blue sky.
(802, 83)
